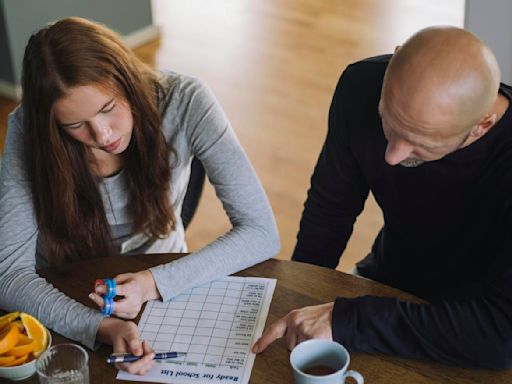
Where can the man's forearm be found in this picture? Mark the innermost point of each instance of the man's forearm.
(466, 332)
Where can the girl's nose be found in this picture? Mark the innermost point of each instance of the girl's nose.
(101, 132)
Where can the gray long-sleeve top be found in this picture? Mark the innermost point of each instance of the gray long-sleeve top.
(195, 125)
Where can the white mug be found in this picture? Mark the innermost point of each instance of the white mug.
(318, 361)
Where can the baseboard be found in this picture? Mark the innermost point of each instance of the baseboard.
(132, 40)
(142, 36)
(10, 90)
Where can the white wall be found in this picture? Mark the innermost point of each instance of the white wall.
(490, 21)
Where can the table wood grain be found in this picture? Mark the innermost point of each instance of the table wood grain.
(298, 285)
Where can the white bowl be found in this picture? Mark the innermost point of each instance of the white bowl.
(23, 371)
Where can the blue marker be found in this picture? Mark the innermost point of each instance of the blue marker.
(129, 358)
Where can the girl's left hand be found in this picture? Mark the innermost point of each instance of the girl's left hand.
(135, 289)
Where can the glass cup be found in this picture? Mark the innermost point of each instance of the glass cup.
(318, 361)
(63, 364)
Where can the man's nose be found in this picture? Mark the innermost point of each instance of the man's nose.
(397, 151)
(100, 131)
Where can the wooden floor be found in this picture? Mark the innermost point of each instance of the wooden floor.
(273, 64)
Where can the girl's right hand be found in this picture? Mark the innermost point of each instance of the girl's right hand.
(124, 338)
(134, 290)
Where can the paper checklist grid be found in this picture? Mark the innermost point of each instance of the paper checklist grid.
(215, 324)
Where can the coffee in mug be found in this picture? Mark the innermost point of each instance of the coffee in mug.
(318, 361)
(319, 370)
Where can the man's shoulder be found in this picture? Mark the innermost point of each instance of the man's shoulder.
(379, 60)
(371, 68)
(361, 82)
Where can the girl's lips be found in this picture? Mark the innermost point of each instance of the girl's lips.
(113, 146)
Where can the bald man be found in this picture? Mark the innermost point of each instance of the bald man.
(429, 132)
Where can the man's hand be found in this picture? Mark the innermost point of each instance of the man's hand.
(136, 289)
(300, 324)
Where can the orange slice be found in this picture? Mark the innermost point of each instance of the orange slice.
(20, 360)
(9, 338)
(36, 331)
(8, 318)
(24, 346)
(24, 339)
(20, 326)
(6, 360)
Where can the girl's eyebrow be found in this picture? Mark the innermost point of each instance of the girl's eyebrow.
(101, 109)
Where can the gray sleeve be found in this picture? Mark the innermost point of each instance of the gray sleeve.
(253, 237)
(21, 288)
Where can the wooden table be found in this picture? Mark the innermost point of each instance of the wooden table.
(298, 285)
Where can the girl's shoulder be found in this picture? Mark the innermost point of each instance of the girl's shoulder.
(15, 117)
(193, 120)
(180, 90)
(15, 127)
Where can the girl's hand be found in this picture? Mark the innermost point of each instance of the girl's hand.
(136, 289)
(124, 338)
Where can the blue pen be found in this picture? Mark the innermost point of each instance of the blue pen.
(129, 358)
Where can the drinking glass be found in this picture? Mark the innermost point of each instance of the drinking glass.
(63, 364)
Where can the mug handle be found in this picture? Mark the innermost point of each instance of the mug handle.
(355, 375)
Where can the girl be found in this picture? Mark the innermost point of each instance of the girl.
(96, 163)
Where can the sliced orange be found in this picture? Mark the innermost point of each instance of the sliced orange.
(18, 361)
(9, 338)
(24, 339)
(24, 346)
(36, 331)
(8, 318)
(6, 360)
(20, 326)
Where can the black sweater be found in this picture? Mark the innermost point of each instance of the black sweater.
(447, 235)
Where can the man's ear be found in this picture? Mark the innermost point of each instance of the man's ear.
(484, 125)
(397, 48)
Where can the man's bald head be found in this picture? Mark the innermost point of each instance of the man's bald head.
(442, 73)
(440, 93)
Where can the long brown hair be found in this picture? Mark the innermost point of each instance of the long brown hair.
(67, 201)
